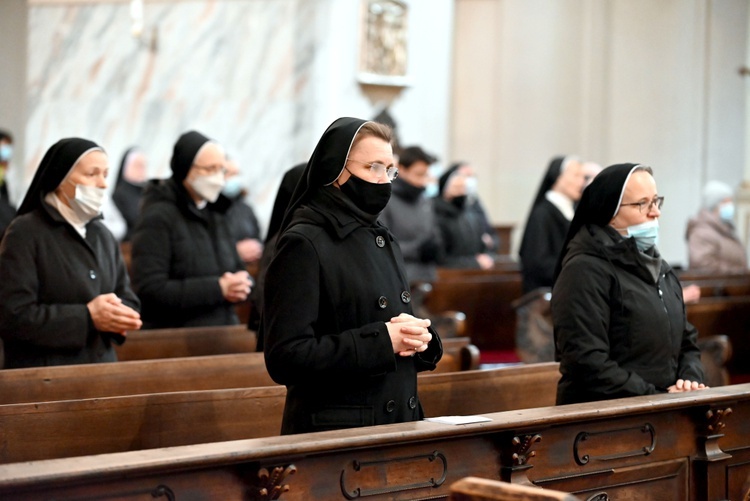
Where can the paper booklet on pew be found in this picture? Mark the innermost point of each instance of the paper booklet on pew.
(458, 419)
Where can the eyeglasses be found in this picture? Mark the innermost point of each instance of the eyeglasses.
(211, 169)
(645, 206)
(379, 169)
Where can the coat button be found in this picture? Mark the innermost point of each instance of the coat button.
(382, 302)
(405, 297)
(380, 241)
(412, 402)
(92, 274)
(390, 406)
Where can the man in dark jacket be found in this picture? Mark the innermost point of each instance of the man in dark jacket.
(185, 267)
(617, 308)
(410, 217)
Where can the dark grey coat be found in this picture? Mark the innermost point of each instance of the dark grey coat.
(618, 331)
(179, 253)
(330, 288)
(461, 232)
(48, 273)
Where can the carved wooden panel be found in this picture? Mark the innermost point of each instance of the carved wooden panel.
(738, 475)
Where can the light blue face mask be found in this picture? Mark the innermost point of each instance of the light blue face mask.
(232, 187)
(726, 212)
(646, 234)
(6, 152)
(431, 190)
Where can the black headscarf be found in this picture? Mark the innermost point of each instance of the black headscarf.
(123, 163)
(443, 179)
(326, 163)
(184, 152)
(56, 164)
(554, 169)
(283, 197)
(599, 203)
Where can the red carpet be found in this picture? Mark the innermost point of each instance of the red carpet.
(498, 357)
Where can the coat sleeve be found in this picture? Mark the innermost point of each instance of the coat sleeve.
(689, 365)
(580, 314)
(152, 255)
(702, 249)
(294, 352)
(22, 316)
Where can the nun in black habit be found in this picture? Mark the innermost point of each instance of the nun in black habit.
(129, 187)
(617, 309)
(549, 220)
(337, 315)
(65, 296)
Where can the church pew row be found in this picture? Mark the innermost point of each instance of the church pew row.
(45, 430)
(693, 446)
(238, 370)
(728, 316)
(484, 489)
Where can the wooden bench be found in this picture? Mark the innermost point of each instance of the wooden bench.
(186, 342)
(44, 430)
(238, 370)
(693, 446)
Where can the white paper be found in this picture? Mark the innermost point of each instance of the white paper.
(458, 419)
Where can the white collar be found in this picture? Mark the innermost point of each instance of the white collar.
(67, 213)
(563, 203)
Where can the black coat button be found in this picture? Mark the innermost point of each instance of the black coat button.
(92, 274)
(405, 297)
(380, 241)
(382, 302)
(412, 402)
(390, 406)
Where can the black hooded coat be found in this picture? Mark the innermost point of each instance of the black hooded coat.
(127, 197)
(49, 272)
(180, 251)
(337, 277)
(618, 314)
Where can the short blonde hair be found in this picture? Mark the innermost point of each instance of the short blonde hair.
(374, 129)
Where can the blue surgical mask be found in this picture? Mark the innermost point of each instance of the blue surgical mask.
(232, 187)
(726, 212)
(646, 234)
(6, 152)
(431, 190)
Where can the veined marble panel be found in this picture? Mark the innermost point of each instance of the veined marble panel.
(236, 70)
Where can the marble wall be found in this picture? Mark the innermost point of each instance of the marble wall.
(262, 77)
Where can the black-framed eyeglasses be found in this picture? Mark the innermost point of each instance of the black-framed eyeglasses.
(211, 169)
(645, 206)
(379, 169)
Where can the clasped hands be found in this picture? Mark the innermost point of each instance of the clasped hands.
(109, 314)
(683, 385)
(409, 335)
(236, 286)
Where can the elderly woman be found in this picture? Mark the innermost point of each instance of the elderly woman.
(617, 308)
(549, 220)
(337, 315)
(185, 266)
(713, 243)
(65, 296)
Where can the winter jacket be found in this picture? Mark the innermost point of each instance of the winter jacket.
(179, 253)
(410, 218)
(713, 245)
(619, 321)
(48, 273)
(332, 285)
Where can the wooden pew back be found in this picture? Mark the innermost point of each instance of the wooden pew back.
(186, 342)
(45, 430)
(239, 370)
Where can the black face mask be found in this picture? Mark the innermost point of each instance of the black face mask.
(369, 197)
(459, 201)
(406, 190)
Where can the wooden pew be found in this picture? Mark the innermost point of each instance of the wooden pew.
(45, 430)
(484, 489)
(729, 316)
(238, 370)
(693, 446)
(186, 342)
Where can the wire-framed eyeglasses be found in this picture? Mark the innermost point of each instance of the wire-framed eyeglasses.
(211, 169)
(645, 206)
(379, 169)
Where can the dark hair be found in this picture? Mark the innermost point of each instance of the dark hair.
(6, 136)
(412, 154)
